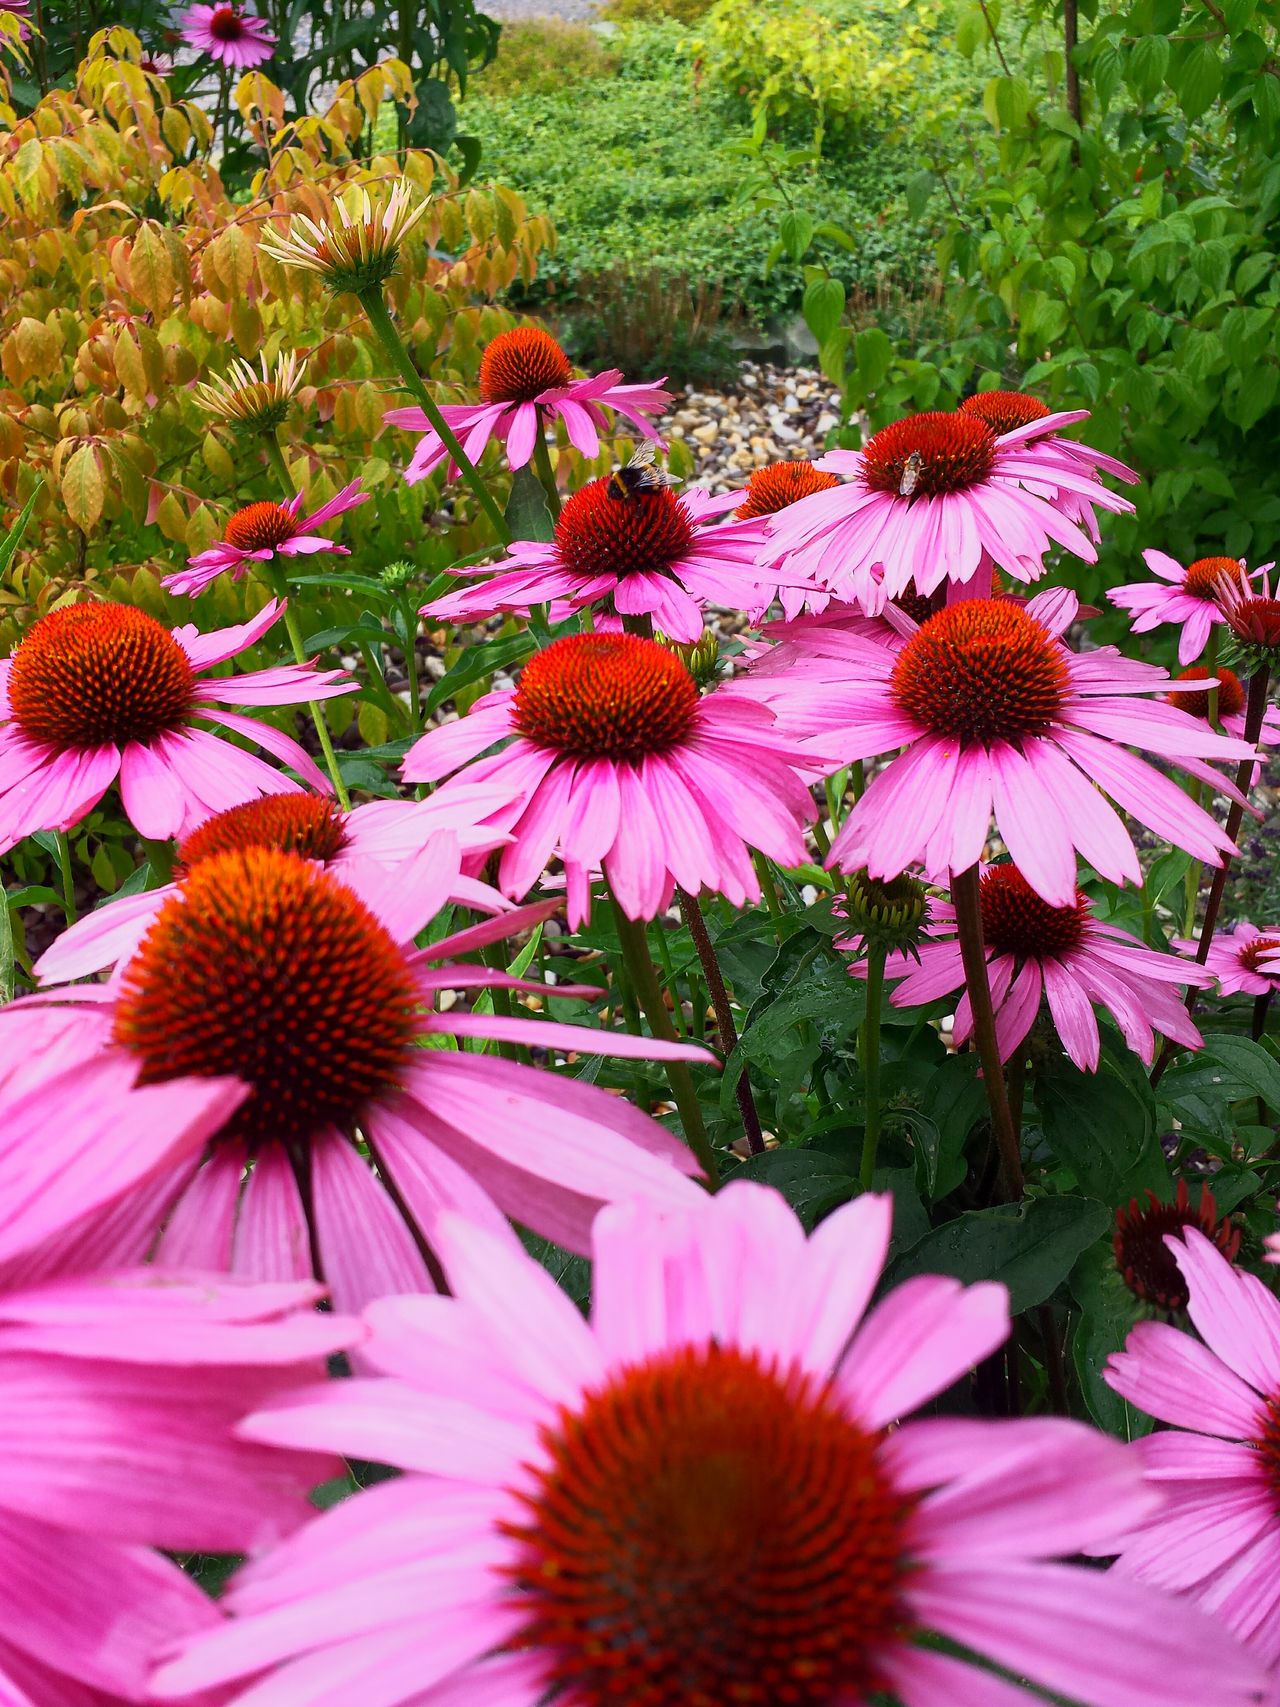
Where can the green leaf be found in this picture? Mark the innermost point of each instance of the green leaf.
(823, 307)
(1107, 1312)
(9, 544)
(528, 514)
(1226, 1070)
(1102, 1127)
(812, 1182)
(952, 1103)
(796, 232)
(920, 190)
(1148, 62)
(1030, 1247)
(478, 661)
(6, 955)
(1199, 78)
(873, 353)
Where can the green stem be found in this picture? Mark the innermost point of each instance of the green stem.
(494, 958)
(697, 927)
(964, 894)
(869, 1049)
(410, 618)
(275, 456)
(1211, 664)
(669, 979)
(68, 878)
(768, 888)
(279, 584)
(1195, 871)
(634, 944)
(542, 462)
(375, 307)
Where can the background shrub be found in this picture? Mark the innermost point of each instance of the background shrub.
(544, 54)
(649, 323)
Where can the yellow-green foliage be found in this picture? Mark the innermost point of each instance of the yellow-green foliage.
(544, 54)
(127, 273)
(827, 66)
(652, 11)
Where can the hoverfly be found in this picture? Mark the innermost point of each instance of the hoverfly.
(910, 475)
(639, 474)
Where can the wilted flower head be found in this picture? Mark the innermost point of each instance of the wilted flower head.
(253, 402)
(357, 247)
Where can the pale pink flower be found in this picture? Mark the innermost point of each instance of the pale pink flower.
(260, 533)
(645, 553)
(120, 1394)
(1242, 961)
(938, 498)
(1216, 1538)
(526, 383)
(228, 33)
(96, 692)
(618, 763)
(1064, 954)
(1186, 596)
(356, 846)
(705, 1493)
(998, 718)
(1005, 411)
(267, 969)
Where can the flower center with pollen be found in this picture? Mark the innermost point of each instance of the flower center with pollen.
(225, 24)
(1016, 921)
(304, 824)
(1230, 693)
(600, 535)
(982, 670)
(521, 364)
(781, 484)
(96, 675)
(709, 1531)
(260, 527)
(1146, 1263)
(1003, 411)
(605, 696)
(929, 455)
(1253, 953)
(1202, 576)
(266, 968)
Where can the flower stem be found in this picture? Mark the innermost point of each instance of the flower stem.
(376, 309)
(68, 878)
(697, 926)
(275, 576)
(410, 618)
(1255, 711)
(644, 981)
(279, 467)
(495, 959)
(542, 461)
(768, 888)
(869, 1050)
(964, 893)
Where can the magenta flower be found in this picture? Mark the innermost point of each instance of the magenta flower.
(996, 716)
(267, 969)
(262, 532)
(120, 1395)
(1216, 1538)
(1188, 597)
(1242, 961)
(93, 692)
(227, 33)
(1006, 411)
(1065, 954)
(702, 1494)
(939, 498)
(358, 847)
(526, 383)
(649, 553)
(617, 763)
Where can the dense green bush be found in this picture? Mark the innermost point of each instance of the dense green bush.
(647, 170)
(653, 11)
(544, 54)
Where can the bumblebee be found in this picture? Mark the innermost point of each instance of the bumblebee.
(639, 474)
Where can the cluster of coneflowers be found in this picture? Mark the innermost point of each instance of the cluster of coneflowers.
(238, 1091)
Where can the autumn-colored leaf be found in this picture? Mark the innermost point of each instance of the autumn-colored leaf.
(83, 488)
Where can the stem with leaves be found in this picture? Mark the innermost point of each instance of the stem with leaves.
(277, 581)
(869, 1050)
(380, 319)
(965, 895)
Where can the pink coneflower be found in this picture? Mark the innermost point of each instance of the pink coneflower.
(225, 32)
(266, 968)
(646, 553)
(1187, 596)
(1244, 961)
(938, 498)
(1216, 1538)
(359, 847)
(700, 1496)
(120, 1394)
(1006, 411)
(1065, 954)
(21, 9)
(262, 532)
(996, 715)
(1143, 1244)
(526, 383)
(93, 692)
(618, 763)
(1251, 613)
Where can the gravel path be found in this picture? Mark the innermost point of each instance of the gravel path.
(770, 414)
(516, 11)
